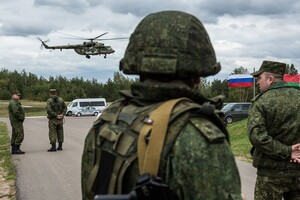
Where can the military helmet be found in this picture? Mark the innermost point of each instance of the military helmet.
(170, 43)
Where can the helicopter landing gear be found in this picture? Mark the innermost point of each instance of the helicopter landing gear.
(88, 56)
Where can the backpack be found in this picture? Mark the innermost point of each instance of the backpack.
(56, 104)
(121, 136)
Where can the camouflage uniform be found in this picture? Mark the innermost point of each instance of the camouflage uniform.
(55, 106)
(196, 160)
(16, 117)
(273, 127)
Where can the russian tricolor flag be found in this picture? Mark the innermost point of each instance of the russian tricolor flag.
(293, 80)
(240, 80)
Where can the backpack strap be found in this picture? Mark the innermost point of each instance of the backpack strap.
(157, 123)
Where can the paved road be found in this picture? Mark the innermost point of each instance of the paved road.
(56, 175)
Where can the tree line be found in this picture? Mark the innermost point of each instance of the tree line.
(37, 88)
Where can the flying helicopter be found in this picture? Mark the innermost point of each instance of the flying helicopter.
(89, 48)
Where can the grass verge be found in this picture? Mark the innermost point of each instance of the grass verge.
(7, 169)
(240, 143)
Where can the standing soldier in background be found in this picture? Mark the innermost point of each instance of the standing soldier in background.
(56, 110)
(274, 132)
(170, 51)
(16, 117)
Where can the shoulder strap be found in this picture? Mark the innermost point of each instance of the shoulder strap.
(157, 123)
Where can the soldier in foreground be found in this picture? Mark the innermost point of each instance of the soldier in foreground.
(16, 117)
(56, 110)
(274, 132)
(163, 139)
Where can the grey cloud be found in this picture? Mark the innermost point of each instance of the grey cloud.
(241, 7)
(72, 6)
(12, 30)
(140, 8)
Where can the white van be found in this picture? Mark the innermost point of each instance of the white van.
(76, 106)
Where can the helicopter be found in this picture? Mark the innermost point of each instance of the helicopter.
(88, 48)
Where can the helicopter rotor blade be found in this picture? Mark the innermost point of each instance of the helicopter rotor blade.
(45, 41)
(99, 36)
(82, 38)
(120, 38)
(73, 36)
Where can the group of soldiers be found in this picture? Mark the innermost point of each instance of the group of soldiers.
(56, 110)
(165, 140)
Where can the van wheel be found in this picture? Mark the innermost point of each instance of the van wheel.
(95, 114)
(69, 113)
(78, 114)
(228, 120)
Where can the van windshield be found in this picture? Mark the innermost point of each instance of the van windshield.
(228, 106)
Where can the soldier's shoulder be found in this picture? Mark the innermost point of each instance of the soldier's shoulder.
(208, 129)
(61, 99)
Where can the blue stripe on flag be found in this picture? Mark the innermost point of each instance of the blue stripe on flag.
(240, 80)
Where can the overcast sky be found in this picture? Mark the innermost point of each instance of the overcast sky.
(243, 33)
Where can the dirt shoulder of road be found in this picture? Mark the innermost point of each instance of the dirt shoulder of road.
(8, 189)
(7, 169)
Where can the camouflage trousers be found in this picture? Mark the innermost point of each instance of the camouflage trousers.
(56, 132)
(274, 188)
(17, 135)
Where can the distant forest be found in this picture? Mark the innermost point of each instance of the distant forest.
(37, 88)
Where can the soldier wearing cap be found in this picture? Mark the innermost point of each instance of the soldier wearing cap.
(170, 51)
(56, 110)
(274, 132)
(16, 117)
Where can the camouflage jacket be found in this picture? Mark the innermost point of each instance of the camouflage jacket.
(196, 162)
(55, 107)
(15, 110)
(273, 127)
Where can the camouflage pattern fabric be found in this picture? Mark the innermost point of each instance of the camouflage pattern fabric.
(16, 117)
(55, 125)
(276, 188)
(56, 132)
(273, 127)
(176, 44)
(196, 164)
(271, 67)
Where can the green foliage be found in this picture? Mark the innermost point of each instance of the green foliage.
(219, 87)
(37, 88)
(291, 70)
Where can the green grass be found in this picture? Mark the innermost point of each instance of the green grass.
(7, 169)
(5, 158)
(31, 108)
(239, 140)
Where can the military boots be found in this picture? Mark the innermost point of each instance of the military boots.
(59, 148)
(13, 149)
(53, 148)
(16, 149)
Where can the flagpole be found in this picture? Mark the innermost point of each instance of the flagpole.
(253, 84)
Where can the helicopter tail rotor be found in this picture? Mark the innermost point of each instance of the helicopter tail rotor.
(43, 42)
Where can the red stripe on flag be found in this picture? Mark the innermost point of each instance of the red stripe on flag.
(291, 78)
(245, 84)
